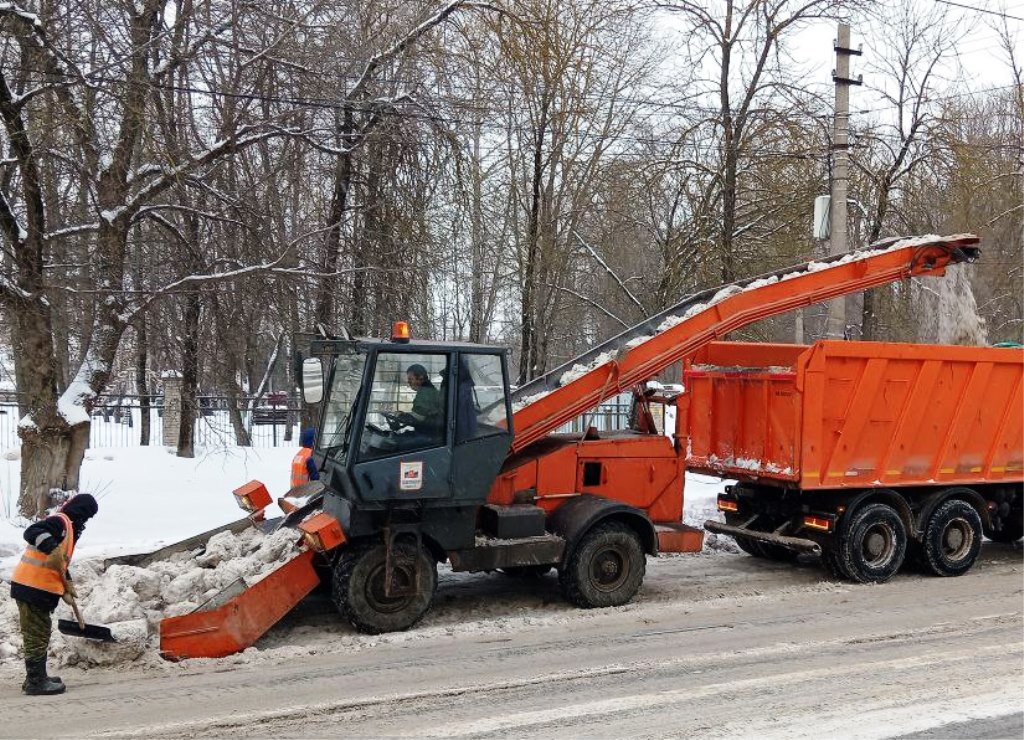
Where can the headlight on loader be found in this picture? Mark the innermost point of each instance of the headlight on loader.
(322, 532)
(253, 497)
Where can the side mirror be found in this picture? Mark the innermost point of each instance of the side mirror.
(312, 380)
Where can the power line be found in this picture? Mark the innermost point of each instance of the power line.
(976, 9)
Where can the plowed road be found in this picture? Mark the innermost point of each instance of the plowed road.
(716, 645)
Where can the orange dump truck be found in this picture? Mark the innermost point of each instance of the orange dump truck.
(866, 452)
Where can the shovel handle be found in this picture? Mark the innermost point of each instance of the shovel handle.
(72, 601)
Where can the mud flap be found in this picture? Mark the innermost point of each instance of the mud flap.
(234, 619)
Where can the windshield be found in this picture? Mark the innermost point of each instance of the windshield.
(341, 401)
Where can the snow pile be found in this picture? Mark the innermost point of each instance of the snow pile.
(148, 496)
(132, 600)
(700, 503)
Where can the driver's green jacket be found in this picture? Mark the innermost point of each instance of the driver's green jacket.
(426, 408)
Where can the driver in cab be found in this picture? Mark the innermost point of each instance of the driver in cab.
(426, 414)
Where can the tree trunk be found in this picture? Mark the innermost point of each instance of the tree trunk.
(189, 375)
(327, 288)
(528, 348)
(142, 382)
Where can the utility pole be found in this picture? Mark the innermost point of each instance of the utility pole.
(836, 327)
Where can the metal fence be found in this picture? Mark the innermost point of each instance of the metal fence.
(117, 422)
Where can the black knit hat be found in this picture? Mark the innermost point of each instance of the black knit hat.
(80, 507)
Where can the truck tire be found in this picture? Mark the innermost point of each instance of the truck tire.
(606, 567)
(833, 565)
(952, 538)
(358, 587)
(872, 548)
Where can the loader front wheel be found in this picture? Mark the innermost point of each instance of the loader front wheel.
(606, 568)
(362, 594)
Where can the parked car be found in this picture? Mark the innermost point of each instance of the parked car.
(273, 410)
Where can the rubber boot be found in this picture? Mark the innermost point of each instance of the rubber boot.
(37, 683)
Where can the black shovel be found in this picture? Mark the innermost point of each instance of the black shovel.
(80, 628)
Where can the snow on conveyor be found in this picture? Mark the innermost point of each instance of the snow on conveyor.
(689, 310)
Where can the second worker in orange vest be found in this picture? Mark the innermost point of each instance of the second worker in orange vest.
(41, 579)
(303, 465)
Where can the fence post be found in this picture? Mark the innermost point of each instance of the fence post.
(172, 407)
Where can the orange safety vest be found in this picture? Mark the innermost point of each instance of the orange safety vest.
(31, 571)
(300, 473)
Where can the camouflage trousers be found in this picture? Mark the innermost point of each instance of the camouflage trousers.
(35, 630)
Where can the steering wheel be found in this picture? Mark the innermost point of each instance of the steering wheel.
(394, 420)
(377, 430)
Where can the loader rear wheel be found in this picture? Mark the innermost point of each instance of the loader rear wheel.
(360, 591)
(871, 549)
(952, 538)
(606, 567)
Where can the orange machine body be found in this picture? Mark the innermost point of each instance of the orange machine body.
(641, 470)
(857, 414)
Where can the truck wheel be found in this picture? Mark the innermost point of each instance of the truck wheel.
(359, 591)
(833, 565)
(872, 547)
(606, 567)
(952, 538)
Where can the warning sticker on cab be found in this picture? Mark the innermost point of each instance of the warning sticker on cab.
(410, 476)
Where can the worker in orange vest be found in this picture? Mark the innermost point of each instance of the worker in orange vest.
(41, 580)
(303, 465)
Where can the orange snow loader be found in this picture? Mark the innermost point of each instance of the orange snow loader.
(427, 455)
(865, 451)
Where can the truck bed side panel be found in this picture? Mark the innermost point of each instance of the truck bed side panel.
(868, 414)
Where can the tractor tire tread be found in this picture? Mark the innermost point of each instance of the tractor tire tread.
(572, 578)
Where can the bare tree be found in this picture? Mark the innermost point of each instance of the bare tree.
(98, 95)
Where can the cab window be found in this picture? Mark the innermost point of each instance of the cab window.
(480, 409)
(407, 408)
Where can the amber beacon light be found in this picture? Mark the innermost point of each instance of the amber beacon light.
(400, 331)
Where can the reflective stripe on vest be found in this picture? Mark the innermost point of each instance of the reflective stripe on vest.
(31, 571)
(300, 473)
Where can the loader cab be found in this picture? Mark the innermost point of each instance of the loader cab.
(409, 422)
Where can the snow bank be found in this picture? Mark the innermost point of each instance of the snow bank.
(148, 496)
(132, 600)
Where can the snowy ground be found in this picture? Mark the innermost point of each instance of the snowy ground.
(148, 496)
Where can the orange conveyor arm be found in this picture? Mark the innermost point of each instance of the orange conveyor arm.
(642, 352)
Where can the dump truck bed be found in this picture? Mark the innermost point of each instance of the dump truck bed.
(857, 414)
